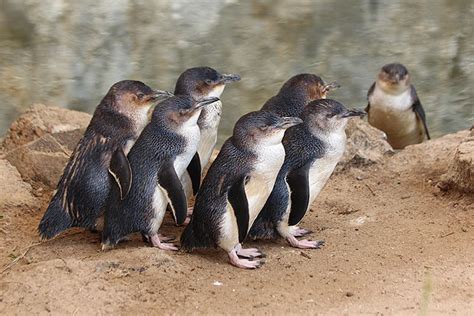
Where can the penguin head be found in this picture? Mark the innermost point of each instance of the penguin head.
(309, 86)
(200, 82)
(180, 110)
(262, 128)
(393, 78)
(328, 115)
(131, 95)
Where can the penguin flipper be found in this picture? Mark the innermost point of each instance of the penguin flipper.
(194, 170)
(169, 181)
(298, 180)
(419, 111)
(121, 172)
(369, 93)
(238, 201)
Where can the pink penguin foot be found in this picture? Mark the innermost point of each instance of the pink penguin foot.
(188, 216)
(156, 242)
(190, 211)
(305, 243)
(166, 238)
(248, 253)
(299, 232)
(243, 263)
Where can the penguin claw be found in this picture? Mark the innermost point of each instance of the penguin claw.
(156, 242)
(305, 243)
(249, 260)
(190, 211)
(249, 253)
(167, 246)
(299, 232)
(163, 238)
(247, 263)
(166, 238)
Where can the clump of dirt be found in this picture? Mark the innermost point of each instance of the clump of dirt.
(460, 175)
(395, 244)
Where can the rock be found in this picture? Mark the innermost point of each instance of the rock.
(14, 192)
(44, 159)
(41, 140)
(460, 175)
(40, 120)
(366, 145)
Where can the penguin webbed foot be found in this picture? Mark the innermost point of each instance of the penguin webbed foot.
(146, 238)
(305, 243)
(250, 253)
(299, 232)
(190, 211)
(246, 258)
(156, 242)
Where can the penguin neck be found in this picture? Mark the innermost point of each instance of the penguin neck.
(243, 145)
(295, 101)
(395, 90)
(210, 115)
(333, 137)
(107, 115)
(137, 115)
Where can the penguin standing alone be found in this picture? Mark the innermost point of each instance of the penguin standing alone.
(157, 161)
(312, 151)
(237, 185)
(298, 91)
(84, 186)
(394, 107)
(202, 82)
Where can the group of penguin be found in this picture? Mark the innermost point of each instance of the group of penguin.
(128, 170)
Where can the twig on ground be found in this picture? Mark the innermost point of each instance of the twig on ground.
(446, 235)
(11, 264)
(370, 189)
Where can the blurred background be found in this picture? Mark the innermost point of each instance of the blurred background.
(68, 53)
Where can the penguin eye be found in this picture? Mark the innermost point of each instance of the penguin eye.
(140, 95)
(263, 127)
(209, 81)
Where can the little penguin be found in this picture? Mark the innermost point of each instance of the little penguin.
(394, 107)
(312, 151)
(201, 82)
(237, 185)
(157, 160)
(85, 184)
(297, 92)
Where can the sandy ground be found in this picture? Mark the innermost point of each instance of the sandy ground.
(395, 244)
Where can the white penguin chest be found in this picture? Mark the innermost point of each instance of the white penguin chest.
(192, 136)
(322, 168)
(262, 178)
(392, 114)
(160, 197)
(209, 124)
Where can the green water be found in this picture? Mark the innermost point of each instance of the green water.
(68, 53)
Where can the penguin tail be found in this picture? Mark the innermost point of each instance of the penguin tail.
(55, 220)
(190, 240)
(262, 230)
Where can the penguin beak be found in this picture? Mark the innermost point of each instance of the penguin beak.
(287, 122)
(203, 102)
(160, 94)
(353, 112)
(226, 78)
(331, 86)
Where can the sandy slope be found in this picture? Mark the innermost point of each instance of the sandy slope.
(395, 244)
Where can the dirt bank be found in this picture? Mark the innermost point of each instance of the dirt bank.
(395, 244)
